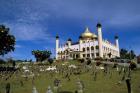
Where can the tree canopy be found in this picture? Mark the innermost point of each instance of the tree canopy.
(7, 41)
(41, 55)
(125, 54)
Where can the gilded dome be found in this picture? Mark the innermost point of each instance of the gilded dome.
(88, 34)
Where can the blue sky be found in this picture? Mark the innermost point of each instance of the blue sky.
(35, 23)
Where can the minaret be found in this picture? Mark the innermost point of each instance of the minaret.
(69, 42)
(117, 44)
(80, 45)
(99, 29)
(57, 46)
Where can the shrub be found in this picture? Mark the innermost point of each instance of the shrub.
(2, 61)
(81, 60)
(99, 59)
(115, 65)
(88, 62)
(132, 65)
(50, 60)
(98, 63)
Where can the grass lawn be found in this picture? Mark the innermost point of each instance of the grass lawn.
(103, 84)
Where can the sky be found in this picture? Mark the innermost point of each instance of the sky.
(35, 23)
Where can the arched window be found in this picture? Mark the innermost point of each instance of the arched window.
(92, 48)
(97, 47)
(87, 48)
(83, 49)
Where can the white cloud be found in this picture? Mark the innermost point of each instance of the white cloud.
(30, 32)
(18, 46)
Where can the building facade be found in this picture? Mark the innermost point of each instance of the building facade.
(89, 45)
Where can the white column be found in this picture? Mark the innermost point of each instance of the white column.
(57, 46)
(65, 55)
(86, 50)
(80, 47)
(99, 29)
(94, 50)
(69, 44)
(117, 45)
(90, 50)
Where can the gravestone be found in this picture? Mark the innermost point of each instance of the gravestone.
(49, 90)
(95, 75)
(8, 88)
(80, 86)
(57, 85)
(34, 90)
(120, 71)
(128, 83)
(21, 83)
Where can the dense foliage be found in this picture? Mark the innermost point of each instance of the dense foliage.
(138, 59)
(125, 54)
(2, 61)
(50, 60)
(82, 60)
(41, 55)
(7, 41)
(132, 65)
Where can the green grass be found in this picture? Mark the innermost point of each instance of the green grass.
(103, 84)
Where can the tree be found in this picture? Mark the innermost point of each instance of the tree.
(125, 54)
(7, 41)
(50, 60)
(2, 61)
(138, 59)
(132, 54)
(41, 55)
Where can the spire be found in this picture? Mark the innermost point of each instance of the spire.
(87, 30)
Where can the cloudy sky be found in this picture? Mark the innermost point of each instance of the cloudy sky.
(35, 23)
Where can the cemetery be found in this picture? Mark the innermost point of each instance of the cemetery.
(69, 76)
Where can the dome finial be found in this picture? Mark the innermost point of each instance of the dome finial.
(87, 34)
(87, 29)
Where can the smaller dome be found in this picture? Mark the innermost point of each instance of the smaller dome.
(99, 25)
(57, 36)
(116, 37)
(88, 35)
(80, 37)
(69, 39)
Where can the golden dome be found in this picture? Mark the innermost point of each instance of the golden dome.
(88, 34)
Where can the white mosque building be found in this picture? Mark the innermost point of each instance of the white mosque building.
(89, 45)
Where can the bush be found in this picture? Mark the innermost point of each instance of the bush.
(2, 61)
(50, 60)
(88, 62)
(132, 65)
(81, 60)
(98, 59)
(115, 65)
(98, 63)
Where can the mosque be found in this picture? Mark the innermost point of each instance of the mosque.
(89, 45)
